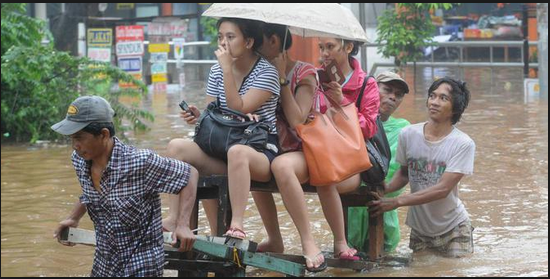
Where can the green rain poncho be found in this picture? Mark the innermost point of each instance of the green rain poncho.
(358, 226)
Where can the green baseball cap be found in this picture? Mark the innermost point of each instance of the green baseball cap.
(83, 111)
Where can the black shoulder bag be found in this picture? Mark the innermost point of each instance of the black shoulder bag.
(378, 148)
(220, 128)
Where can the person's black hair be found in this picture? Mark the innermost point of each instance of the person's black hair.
(278, 30)
(356, 47)
(95, 128)
(460, 95)
(251, 29)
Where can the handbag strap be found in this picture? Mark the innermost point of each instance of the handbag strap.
(228, 110)
(362, 92)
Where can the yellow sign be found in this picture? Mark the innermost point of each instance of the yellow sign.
(159, 48)
(125, 6)
(159, 77)
(123, 84)
(100, 37)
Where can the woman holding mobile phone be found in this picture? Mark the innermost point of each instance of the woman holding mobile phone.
(245, 82)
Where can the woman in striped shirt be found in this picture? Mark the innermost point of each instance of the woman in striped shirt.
(245, 82)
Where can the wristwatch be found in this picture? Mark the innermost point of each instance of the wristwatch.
(283, 81)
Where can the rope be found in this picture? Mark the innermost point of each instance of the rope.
(236, 258)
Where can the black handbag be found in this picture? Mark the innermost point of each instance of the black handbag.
(378, 148)
(220, 128)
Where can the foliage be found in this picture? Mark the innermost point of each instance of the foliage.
(405, 32)
(39, 83)
(210, 30)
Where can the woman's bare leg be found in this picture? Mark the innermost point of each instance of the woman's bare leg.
(334, 212)
(188, 151)
(244, 164)
(290, 171)
(268, 211)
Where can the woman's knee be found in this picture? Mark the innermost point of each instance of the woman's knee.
(238, 154)
(290, 165)
(177, 147)
(281, 166)
(349, 185)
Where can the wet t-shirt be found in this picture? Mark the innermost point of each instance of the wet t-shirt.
(427, 161)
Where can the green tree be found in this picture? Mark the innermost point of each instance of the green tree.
(38, 82)
(404, 32)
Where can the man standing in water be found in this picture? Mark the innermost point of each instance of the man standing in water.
(434, 156)
(120, 191)
(392, 91)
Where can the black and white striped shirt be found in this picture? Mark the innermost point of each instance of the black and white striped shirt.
(263, 76)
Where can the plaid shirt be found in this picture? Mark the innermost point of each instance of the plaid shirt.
(126, 214)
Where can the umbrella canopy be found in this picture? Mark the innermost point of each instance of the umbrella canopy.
(303, 19)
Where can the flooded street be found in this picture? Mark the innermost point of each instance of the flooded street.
(507, 197)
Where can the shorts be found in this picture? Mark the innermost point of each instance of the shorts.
(457, 242)
(272, 149)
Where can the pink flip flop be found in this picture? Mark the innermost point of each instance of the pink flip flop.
(348, 255)
(235, 233)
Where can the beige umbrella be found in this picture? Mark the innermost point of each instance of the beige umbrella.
(303, 19)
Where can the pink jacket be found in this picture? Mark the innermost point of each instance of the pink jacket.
(370, 103)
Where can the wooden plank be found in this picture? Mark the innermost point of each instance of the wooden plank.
(264, 261)
(357, 198)
(240, 252)
(87, 237)
(78, 236)
(376, 231)
(331, 262)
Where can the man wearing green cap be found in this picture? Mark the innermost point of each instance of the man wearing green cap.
(120, 191)
(392, 91)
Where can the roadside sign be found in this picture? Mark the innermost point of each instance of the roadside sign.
(178, 47)
(100, 54)
(159, 77)
(158, 68)
(132, 48)
(130, 64)
(129, 33)
(100, 37)
(531, 89)
(158, 57)
(159, 48)
(123, 84)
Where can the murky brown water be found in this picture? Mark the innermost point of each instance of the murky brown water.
(507, 197)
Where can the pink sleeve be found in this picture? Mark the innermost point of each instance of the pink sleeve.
(306, 70)
(320, 104)
(370, 106)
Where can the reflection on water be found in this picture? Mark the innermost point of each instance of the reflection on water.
(507, 197)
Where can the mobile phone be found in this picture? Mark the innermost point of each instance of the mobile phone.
(183, 105)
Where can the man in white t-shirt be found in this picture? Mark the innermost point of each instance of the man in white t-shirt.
(434, 156)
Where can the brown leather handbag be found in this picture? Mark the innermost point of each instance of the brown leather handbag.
(334, 146)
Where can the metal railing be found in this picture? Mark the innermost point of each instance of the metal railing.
(461, 45)
(190, 61)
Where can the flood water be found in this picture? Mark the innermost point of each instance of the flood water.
(507, 197)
